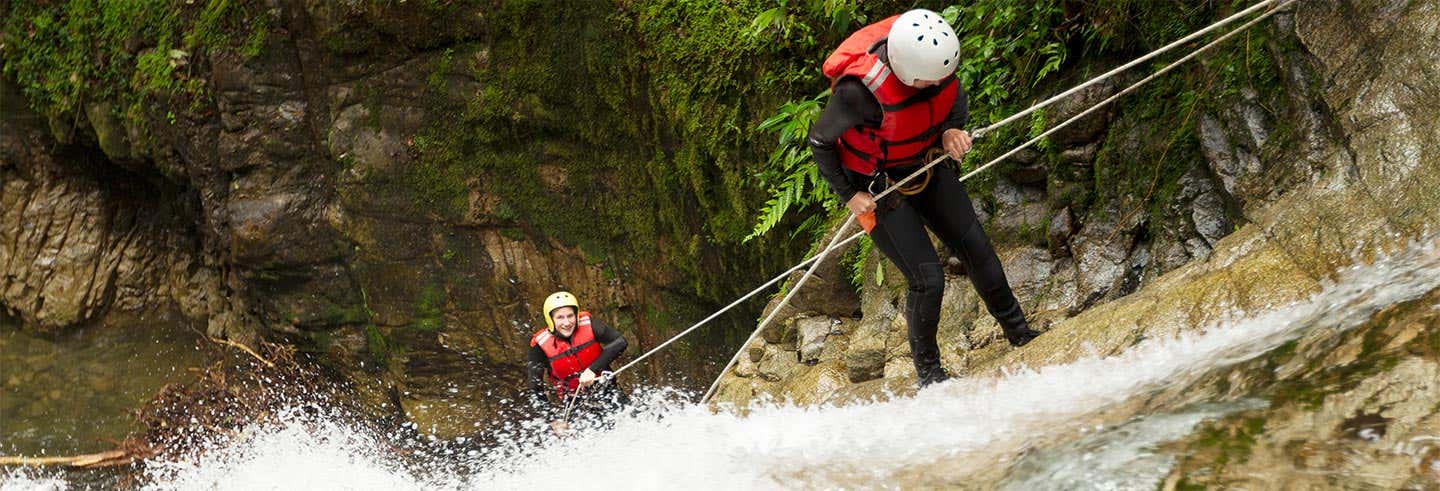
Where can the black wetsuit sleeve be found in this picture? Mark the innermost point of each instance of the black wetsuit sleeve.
(539, 366)
(612, 340)
(959, 112)
(850, 105)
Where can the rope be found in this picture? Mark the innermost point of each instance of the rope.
(1127, 90)
(819, 258)
(570, 399)
(836, 243)
(738, 301)
(1132, 63)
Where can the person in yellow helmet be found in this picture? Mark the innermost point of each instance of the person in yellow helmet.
(572, 351)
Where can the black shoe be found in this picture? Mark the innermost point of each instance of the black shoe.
(1020, 336)
(932, 377)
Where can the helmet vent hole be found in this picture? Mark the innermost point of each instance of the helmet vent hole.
(935, 41)
(946, 63)
(921, 38)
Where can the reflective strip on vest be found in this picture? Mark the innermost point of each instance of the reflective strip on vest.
(876, 76)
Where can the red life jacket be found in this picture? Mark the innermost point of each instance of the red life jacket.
(912, 118)
(569, 358)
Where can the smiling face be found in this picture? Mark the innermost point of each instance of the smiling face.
(565, 320)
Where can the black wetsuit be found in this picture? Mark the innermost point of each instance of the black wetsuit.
(899, 231)
(601, 398)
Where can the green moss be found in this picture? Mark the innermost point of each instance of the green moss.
(340, 314)
(65, 55)
(429, 309)
(377, 345)
(435, 82)
(1232, 440)
(1186, 485)
(513, 233)
(1282, 354)
(227, 23)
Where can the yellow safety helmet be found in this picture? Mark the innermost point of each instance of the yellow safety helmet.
(557, 300)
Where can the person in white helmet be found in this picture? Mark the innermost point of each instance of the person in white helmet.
(894, 99)
(572, 352)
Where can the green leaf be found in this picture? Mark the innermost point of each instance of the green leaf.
(769, 19)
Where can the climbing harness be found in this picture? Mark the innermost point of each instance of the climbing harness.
(839, 240)
(915, 188)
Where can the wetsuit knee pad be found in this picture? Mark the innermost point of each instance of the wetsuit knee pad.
(931, 280)
(926, 292)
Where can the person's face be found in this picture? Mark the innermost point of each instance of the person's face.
(565, 320)
(921, 84)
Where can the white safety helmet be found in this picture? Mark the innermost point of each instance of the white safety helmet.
(922, 47)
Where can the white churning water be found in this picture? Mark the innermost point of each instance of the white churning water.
(954, 428)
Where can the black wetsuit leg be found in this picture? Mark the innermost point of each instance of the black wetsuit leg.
(900, 234)
(946, 208)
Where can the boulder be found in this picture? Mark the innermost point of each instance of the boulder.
(810, 335)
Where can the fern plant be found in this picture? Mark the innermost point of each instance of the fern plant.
(1007, 47)
(789, 21)
(791, 178)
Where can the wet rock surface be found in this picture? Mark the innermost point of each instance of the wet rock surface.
(1355, 410)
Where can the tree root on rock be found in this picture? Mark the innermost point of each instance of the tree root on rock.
(126, 453)
(244, 348)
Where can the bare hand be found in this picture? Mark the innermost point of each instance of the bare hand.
(560, 428)
(861, 203)
(956, 142)
(587, 377)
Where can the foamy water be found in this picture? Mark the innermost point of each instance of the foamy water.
(18, 479)
(953, 429)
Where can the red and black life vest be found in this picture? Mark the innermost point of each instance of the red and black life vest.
(912, 117)
(568, 358)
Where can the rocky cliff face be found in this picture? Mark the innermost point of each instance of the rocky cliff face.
(88, 243)
(393, 187)
(1287, 186)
